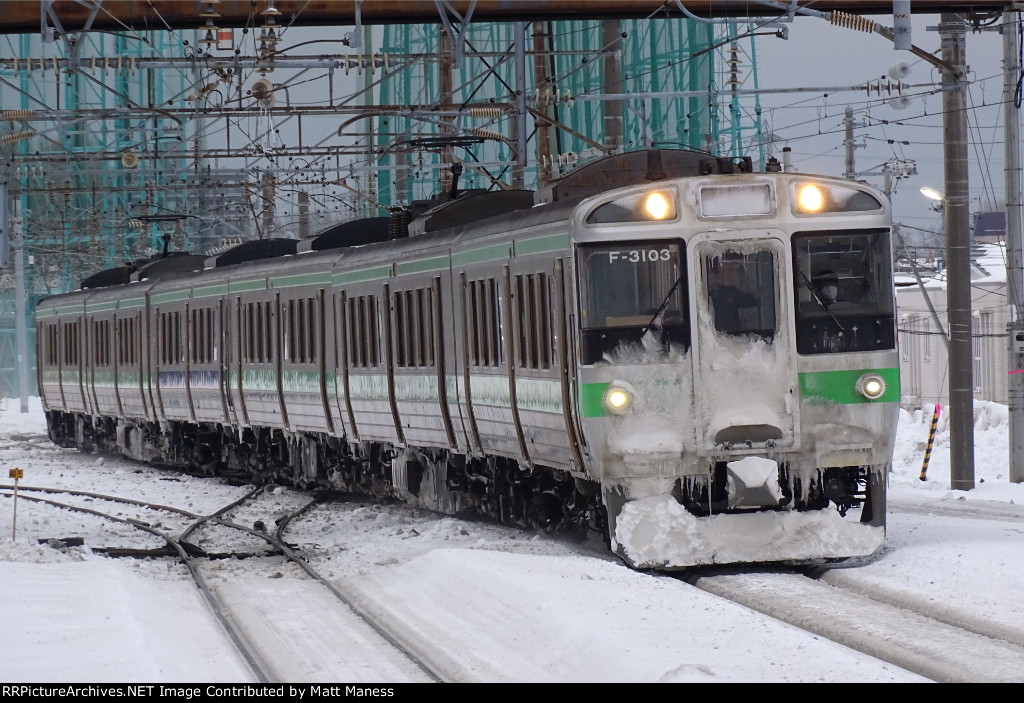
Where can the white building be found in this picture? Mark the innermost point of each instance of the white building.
(923, 370)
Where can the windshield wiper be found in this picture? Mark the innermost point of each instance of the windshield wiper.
(819, 301)
(661, 308)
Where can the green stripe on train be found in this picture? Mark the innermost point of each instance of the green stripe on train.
(817, 387)
(591, 396)
(841, 386)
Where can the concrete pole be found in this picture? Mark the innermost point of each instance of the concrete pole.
(20, 328)
(851, 170)
(447, 86)
(953, 33)
(1014, 246)
(519, 169)
(303, 215)
(540, 42)
(612, 84)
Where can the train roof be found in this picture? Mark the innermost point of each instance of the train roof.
(636, 167)
(163, 266)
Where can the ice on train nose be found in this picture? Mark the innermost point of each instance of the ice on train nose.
(753, 482)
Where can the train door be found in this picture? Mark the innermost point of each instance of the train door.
(341, 364)
(512, 323)
(743, 351)
(389, 356)
(239, 341)
(137, 356)
(159, 353)
(224, 344)
(91, 346)
(188, 317)
(568, 363)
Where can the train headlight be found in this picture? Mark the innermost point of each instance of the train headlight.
(657, 206)
(618, 397)
(649, 206)
(822, 197)
(809, 198)
(871, 386)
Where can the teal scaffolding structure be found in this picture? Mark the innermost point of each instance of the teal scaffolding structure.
(678, 81)
(89, 157)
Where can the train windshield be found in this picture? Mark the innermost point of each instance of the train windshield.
(741, 292)
(629, 289)
(843, 291)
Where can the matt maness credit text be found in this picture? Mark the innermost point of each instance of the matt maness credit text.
(190, 692)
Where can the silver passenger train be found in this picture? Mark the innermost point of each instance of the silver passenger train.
(697, 361)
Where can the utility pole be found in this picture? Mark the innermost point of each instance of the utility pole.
(851, 170)
(610, 39)
(953, 33)
(1014, 246)
(519, 168)
(20, 328)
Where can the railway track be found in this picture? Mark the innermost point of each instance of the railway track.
(286, 621)
(940, 644)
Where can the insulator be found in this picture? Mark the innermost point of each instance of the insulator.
(15, 137)
(15, 114)
(485, 112)
(855, 22)
(486, 133)
(387, 65)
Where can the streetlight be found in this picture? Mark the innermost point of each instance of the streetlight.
(938, 200)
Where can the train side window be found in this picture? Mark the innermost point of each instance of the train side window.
(71, 342)
(211, 339)
(484, 323)
(299, 311)
(426, 328)
(268, 334)
(193, 342)
(245, 323)
(414, 332)
(162, 332)
(532, 304)
(288, 327)
(401, 330)
(363, 331)
(105, 341)
(170, 338)
(312, 315)
(51, 345)
(261, 334)
(202, 335)
(101, 343)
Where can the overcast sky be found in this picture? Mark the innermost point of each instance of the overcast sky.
(819, 54)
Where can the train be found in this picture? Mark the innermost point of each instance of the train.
(692, 359)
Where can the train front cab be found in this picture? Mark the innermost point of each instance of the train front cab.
(737, 409)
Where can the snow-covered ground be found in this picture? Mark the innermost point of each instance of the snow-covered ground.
(539, 610)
